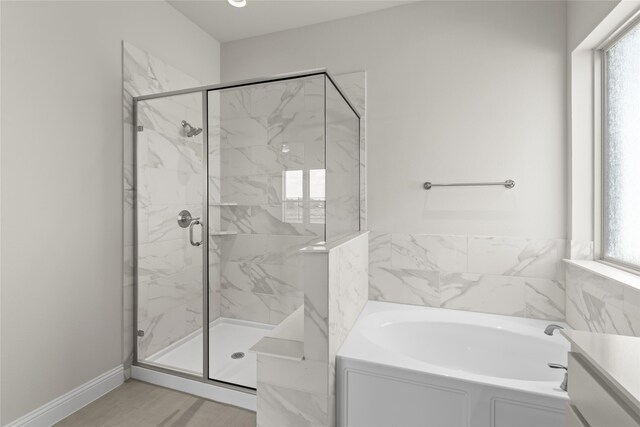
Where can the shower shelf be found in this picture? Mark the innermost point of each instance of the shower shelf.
(223, 233)
(224, 204)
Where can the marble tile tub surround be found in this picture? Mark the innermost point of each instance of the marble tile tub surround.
(302, 392)
(502, 275)
(597, 302)
(582, 250)
(144, 74)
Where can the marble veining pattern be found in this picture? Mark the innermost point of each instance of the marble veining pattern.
(544, 299)
(316, 305)
(509, 256)
(279, 406)
(304, 375)
(270, 279)
(513, 276)
(425, 252)
(169, 179)
(256, 270)
(265, 130)
(597, 304)
(354, 86)
(167, 273)
(264, 219)
(417, 287)
(348, 289)
(302, 393)
(581, 250)
(342, 165)
(483, 293)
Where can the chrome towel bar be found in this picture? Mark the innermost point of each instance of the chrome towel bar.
(507, 184)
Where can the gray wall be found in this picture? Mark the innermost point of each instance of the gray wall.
(62, 183)
(457, 91)
(583, 17)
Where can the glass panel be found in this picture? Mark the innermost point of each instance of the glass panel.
(169, 174)
(317, 184)
(293, 208)
(343, 166)
(264, 140)
(622, 150)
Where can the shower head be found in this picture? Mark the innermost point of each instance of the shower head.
(190, 130)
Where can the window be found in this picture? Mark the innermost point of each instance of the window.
(621, 151)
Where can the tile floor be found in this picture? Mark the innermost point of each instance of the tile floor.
(138, 404)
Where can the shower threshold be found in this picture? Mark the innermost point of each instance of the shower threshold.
(227, 339)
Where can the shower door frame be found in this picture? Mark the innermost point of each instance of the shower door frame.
(204, 378)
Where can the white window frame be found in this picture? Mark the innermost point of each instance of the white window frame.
(599, 139)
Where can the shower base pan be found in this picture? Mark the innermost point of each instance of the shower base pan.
(229, 357)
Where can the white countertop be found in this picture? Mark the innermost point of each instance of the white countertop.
(616, 357)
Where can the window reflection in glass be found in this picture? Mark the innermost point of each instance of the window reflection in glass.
(316, 196)
(299, 208)
(293, 196)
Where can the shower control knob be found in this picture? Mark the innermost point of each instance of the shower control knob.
(184, 219)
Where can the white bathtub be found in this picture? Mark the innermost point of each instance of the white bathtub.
(414, 366)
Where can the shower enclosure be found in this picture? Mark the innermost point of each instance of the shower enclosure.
(232, 181)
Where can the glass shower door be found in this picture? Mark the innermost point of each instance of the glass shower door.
(223, 208)
(169, 227)
(266, 201)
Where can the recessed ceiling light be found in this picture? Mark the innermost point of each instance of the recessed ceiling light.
(237, 3)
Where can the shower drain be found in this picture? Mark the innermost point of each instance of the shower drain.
(237, 355)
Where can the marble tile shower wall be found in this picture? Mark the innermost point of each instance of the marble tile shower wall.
(267, 129)
(501, 275)
(169, 179)
(342, 172)
(169, 165)
(354, 85)
(302, 392)
(214, 130)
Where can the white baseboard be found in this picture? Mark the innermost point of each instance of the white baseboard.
(65, 405)
(197, 388)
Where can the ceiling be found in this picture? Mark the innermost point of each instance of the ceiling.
(227, 23)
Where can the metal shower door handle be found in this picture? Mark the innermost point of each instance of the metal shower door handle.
(196, 221)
